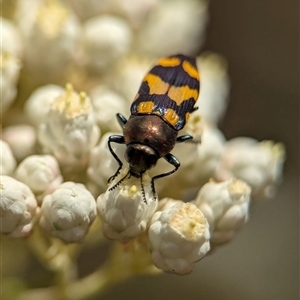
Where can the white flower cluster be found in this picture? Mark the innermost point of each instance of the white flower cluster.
(127, 208)
(18, 208)
(54, 162)
(22, 140)
(225, 206)
(105, 39)
(69, 130)
(10, 62)
(178, 237)
(51, 33)
(257, 163)
(41, 173)
(68, 212)
(8, 162)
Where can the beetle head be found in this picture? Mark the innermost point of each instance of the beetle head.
(140, 158)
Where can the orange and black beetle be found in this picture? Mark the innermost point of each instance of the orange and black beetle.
(160, 109)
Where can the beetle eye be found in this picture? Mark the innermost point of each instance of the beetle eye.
(129, 154)
(151, 160)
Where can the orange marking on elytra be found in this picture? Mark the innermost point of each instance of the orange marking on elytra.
(171, 116)
(179, 94)
(169, 62)
(191, 70)
(156, 84)
(187, 116)
(145, 107)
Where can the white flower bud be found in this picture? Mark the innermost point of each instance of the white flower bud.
(21, 138)
(10, 69)
(102, 164)
(10, 38)
(174, 27)
(130, 72)
(179, 238)
(89, 8)
(105, 40)
(163, 204)
(7, 161)
(18, 208)
(107, 103)
(258, 164)
(68, 213)
(212, 101)
(41, 173)
(198, 161)
(134, 11)
(39, 102)
(225, 206)
(51, 34)
(70, 130)
(126, 209)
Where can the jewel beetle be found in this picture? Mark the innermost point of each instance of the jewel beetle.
(161, 108)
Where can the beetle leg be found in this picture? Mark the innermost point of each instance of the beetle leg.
(187, 138)
(122, 179)
(171, 159)
(119, 139)
(121, 120)
(143, 190)
(184, 138)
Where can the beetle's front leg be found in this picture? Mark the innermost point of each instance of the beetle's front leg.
(119, 139)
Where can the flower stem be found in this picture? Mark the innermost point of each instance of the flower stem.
(125, 261)
(57, 257)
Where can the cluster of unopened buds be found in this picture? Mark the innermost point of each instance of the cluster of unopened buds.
(55, 161)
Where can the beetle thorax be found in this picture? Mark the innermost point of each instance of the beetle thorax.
(152, 131)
